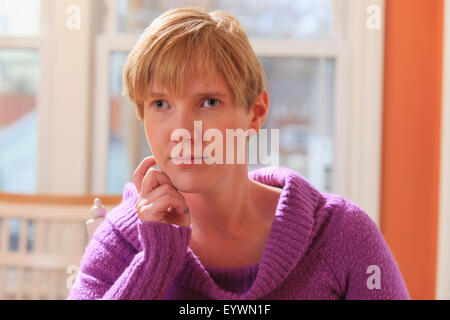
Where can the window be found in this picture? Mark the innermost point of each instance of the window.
(20, 18)
(299, 63)
(304, 19)
(120, 134)
(19, 77)
(301, 106)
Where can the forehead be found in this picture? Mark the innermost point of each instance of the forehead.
(199, 80)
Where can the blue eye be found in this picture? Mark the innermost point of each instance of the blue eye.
(215, 102)
(158, 103)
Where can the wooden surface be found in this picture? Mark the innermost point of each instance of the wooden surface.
(57, 199)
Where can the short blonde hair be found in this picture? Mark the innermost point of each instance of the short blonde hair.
(181, 41)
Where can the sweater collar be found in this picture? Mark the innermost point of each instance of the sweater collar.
(289, 238)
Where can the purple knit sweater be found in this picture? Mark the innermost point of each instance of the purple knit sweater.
(320, 246)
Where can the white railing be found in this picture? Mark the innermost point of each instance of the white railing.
(42, 240)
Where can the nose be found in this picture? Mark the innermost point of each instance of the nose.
(187, 129)
(184, 120)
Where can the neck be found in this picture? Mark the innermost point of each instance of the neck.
(227, 210)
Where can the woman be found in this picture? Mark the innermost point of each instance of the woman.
(210, 230)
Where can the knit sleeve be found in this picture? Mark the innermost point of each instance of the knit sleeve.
(361, 259)
(112, 269)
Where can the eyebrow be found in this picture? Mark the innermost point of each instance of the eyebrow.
(160, 94)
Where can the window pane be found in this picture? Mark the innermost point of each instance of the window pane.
(19, 71)
(19, 17)
(301, 107)
(127, 141)
(14, 230)
(299, 19)
(119, 153)
(31, 235)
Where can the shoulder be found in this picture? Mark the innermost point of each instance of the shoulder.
(346, 221)
(347, 213)
(352, 236)
(334, 212)
(357, 252)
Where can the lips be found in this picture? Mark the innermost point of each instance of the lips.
(191, 158)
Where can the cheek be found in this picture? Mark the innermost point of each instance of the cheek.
(156, 137)
(231, 123)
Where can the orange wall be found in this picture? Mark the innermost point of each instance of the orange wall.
(411, 139)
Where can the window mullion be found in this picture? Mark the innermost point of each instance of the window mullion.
(69, 104)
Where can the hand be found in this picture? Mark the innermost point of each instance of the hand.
(159, 200)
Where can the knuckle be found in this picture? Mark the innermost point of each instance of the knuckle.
(150, 174)
(138, 171)
(147, 211)
(140, 204)
(146, 159)
(166, 188)
(165, 197)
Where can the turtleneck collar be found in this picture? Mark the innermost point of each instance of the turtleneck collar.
(290, 236)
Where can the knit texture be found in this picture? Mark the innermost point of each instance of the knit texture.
(320, 246)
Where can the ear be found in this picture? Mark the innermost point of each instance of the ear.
(258, 112)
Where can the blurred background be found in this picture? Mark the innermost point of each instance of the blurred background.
(356, 88)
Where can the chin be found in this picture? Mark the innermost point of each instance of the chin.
(189, 183)
(191, 180)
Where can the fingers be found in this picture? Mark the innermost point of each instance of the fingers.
(152, 180)
(157, 209)
(162, 190)
(141, 170)
(157, 195)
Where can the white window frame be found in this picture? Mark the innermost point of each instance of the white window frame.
(40, 43)
(63, 99)
(358, 97)
(443, 252)
(364, 98)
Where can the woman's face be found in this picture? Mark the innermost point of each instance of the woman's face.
(205, 98)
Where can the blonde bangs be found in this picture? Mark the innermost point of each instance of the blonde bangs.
(188, 41)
